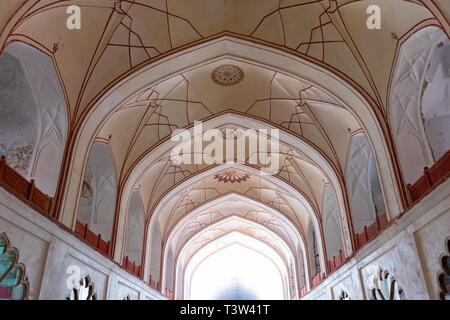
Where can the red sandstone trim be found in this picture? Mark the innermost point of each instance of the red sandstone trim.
(432, 177)
(82, 232)
(131, 267)
(26, 191)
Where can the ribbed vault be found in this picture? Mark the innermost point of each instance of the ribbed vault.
(138, 71)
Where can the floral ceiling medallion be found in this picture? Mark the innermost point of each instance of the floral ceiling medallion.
(227, 75)
(231, 176)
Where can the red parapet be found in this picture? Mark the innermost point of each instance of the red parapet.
(26, 191)
(440, 171)
(92, 239)
(131, 267)
(419, 189)
(382, 220)
(303, 292)
(152, 283)
(169, 294)
(337, 262)
(103, 246)
(372, 231)
(431, 178)
(80, 229)
(318, 279)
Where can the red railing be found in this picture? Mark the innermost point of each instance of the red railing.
(431, 178)
(372, 231)
(152, 283)
(303, 292)
(82, 231)
(169, 294)
(26, 191)
(131, 267)
(337, 262)
(318, 279)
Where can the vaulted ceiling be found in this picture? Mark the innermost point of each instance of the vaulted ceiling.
(119, 36)
(124, 85)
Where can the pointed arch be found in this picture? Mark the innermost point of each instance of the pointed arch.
(98, 197)
(361, 180)
(226, 45)
(418, 106)
(39, 112)
(134, 241)
(331, 226)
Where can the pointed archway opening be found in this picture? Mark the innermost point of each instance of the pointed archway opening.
(236, 267)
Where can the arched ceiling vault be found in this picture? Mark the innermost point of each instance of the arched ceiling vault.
(118, 36)
(311, 111)
(204, 190)
(289, 103)
(137, 70)
(236, 208)
(224, 228)
(172, 207)
(260, 245)
(159, 179)
(233, 205)
(141, 62)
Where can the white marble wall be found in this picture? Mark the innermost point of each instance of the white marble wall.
(410, 249)
(47, 251)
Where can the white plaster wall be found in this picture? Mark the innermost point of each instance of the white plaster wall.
(358, 182)
(18, 115)
(135, 229)
(405, 98)
(436, 100)
(433, 250)
(155, 258)
(98, 210)
(331, 226)
(50, 138)
(410, 249)
(46, 251)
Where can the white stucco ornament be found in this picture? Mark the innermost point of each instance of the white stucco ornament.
(84, 292)
(385, 287)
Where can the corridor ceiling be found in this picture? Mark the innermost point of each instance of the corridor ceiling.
(138, 70)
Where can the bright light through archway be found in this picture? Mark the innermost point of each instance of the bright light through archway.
(236, 273)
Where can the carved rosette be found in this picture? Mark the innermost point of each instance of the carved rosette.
(232, 176)
(227, 75)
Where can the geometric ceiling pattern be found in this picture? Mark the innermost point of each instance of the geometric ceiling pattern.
(233, 213)
(118, 36)
(292, 104)
(121, 40)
